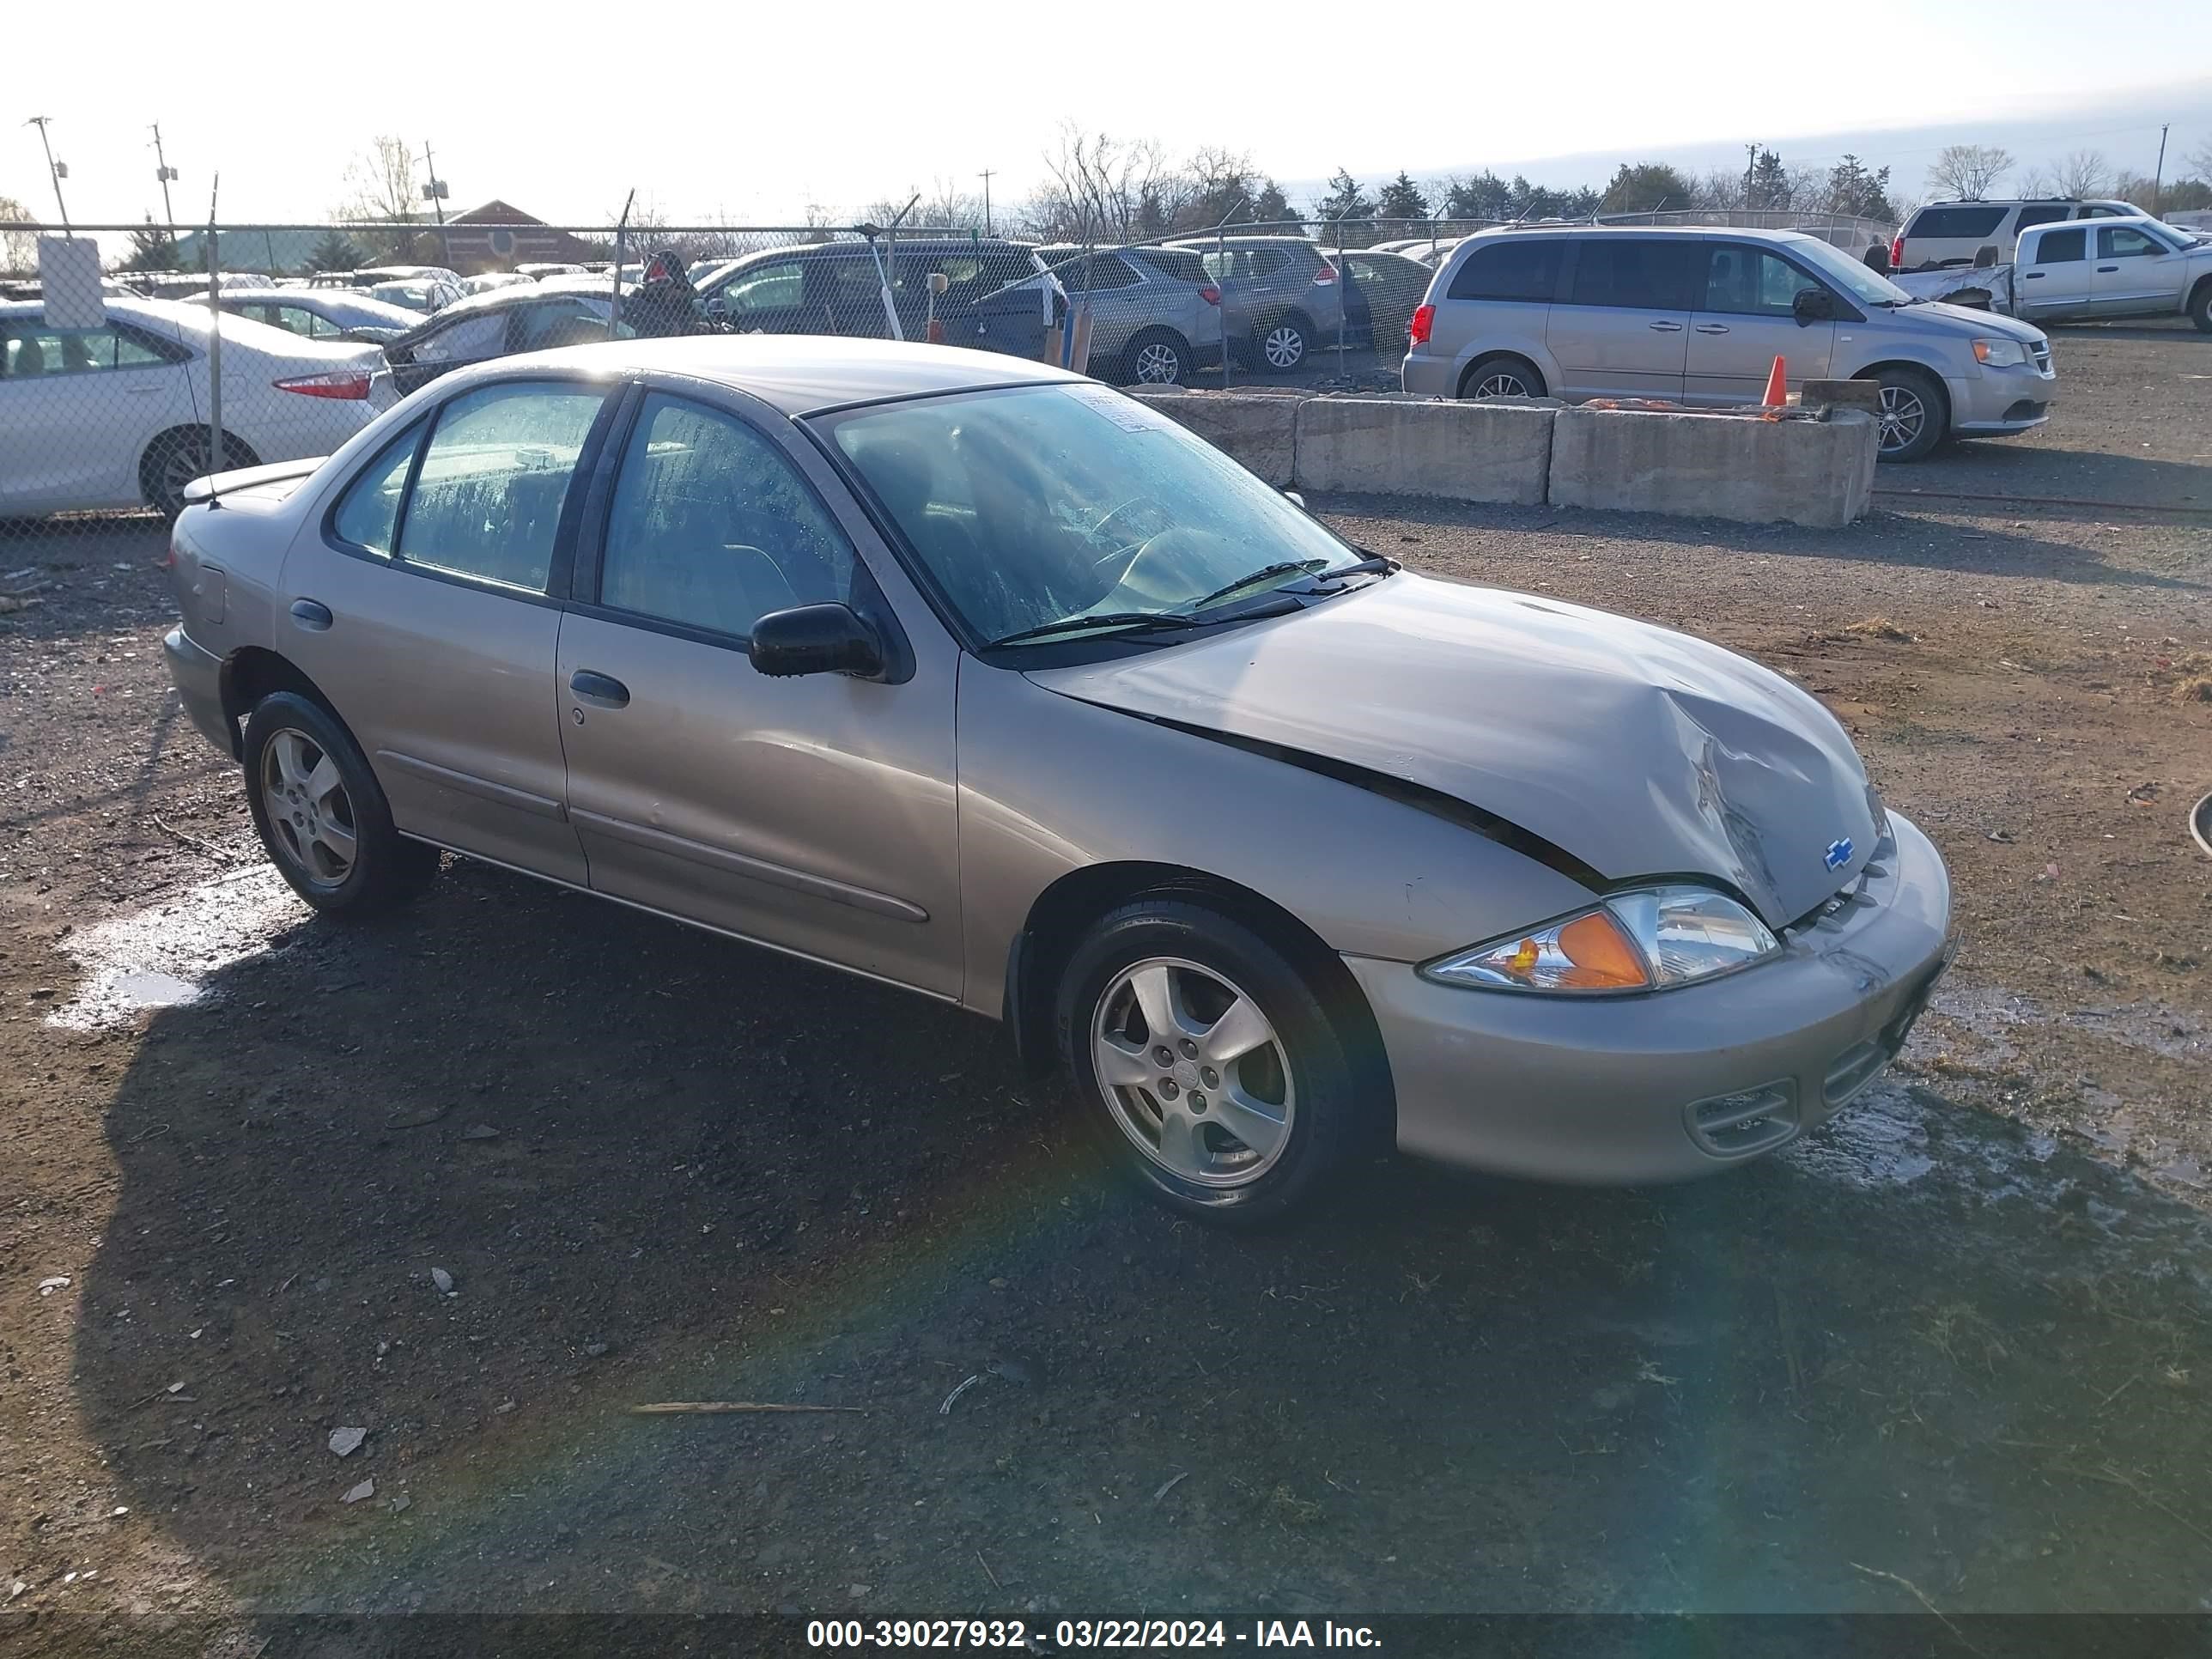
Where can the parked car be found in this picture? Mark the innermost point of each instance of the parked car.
(2065, 273)
(930, 611)
(423, 295)
(1698, 317)
(1279, 297)
(998, 297)
(1955, 233)
(320, 313)
(538, 269)
(115, 416)
(486, 281)
(507, 320)
(1385, 287)
(1154, 315)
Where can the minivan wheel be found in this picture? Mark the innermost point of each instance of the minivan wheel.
(1204, 1064)
(1158, 356)
(1913, 415)
(322, 817)
(1502, 377)
(1280, 346)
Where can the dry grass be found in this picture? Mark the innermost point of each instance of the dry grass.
(2196, 689)
(1880, 628)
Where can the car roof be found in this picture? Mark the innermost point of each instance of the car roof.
(800, 374)
(1676, 232)
(1201, 243)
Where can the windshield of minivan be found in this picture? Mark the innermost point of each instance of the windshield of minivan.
(1032, 505)
(1862, 283)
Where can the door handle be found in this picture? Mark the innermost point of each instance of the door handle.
(1712, 328)
(312, 614)
(1668, 328)
(603, 690)
(2107, 271)
(142, 391)
(2033, 276)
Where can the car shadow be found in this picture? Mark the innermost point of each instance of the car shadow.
(479, 1178)
(2051, 482)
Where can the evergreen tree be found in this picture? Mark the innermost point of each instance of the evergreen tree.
(1645, 186)
(1770, 182)
(1854, 188)
(1345, 200)
(1402, 198)
(333, 252)
(152, 248)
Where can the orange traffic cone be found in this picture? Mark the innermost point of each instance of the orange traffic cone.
(1778, 385)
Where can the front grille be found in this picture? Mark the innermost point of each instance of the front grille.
(1750, 1121)
(2026, 409)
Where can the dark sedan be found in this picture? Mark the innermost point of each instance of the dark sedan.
(564, 312)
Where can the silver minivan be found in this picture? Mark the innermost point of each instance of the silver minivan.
(1698, 317)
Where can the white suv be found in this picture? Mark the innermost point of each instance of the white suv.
(1953, 233)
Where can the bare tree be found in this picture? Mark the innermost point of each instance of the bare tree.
(381, 188)
(1100, 185)
(2197, 164)
(2084, 173)
(1967, 170)
(19, 249)
(2035, 181)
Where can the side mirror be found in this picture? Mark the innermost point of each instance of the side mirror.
(1812, 305)
(718, 307)
(815, 639)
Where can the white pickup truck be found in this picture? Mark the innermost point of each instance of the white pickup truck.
(2080, 270)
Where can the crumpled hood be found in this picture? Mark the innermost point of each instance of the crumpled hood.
(1639, 751)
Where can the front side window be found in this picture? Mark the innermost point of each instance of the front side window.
(1038, 504)
(488, 497)
(2062, 247)
(2119, 242)
(1640, 276)
(1749, 282)
(778, 286)
(1525, 270)
(368, 513)
(712, 526)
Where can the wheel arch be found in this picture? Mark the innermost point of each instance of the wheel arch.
(1477, 359)
(1059, 914)
(188, 431)
(252, 672)
(1873, 371)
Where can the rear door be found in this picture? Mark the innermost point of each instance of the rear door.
(467, 339)
(2133, 272)
(1622, 329)
(813, 813)
(427, 608)
(1746, 318)
(2050, 272)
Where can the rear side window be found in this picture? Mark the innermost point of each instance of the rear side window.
(1958, 223)
(1095, 274)
(1526, 269)
(1644, 276)
(2039, 216)
(2060, 247)
(488, 498)
(368, 513)
(1172, 262)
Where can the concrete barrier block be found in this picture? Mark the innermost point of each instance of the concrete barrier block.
(1393, 446)
(1816, 472)
(1259, 430)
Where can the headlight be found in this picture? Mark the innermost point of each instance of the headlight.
(2000, 354)
(1650, 939)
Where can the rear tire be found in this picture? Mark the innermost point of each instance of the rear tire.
(1158, 356)
(1258, 1103)
(321, 814)
(1502, 375)
(1279, 347)
(1915, 414)
(174, 459)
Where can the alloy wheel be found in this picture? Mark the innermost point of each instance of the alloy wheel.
(310, 816)
(1501, 383)
(1159, 364)
(1283, 346)
(1193, 1071)
(1902, 416)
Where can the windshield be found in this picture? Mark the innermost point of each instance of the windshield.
(1036, 504)
(1861, 284)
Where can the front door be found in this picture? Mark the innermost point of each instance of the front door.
(2051, 275)
(427, 619)
(813, 813)
(1623, 330)
(2135, 272)
(1744, 320)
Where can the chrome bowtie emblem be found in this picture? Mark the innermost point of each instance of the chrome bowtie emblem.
(1839, 853)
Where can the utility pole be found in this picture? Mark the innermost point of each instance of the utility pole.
(56, 171)
(436, 191)
(986, 175)
(1750, 162)
(166, 174)
(2158, 180)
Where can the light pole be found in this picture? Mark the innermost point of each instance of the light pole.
(56, 171)
(166, 174)
(986, 175)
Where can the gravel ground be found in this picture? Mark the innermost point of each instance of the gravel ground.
(1954, 1339)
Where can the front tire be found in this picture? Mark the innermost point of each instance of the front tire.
(1914, 415)
(322, 816)
(1158, 356)
(1206, 1065)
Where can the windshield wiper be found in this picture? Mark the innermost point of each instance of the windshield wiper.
(1373, 562)
(1154, 619)
(1283, 568)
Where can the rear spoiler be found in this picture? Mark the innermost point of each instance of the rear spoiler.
(222, 483)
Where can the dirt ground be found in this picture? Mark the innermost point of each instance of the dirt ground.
(1949, 1351)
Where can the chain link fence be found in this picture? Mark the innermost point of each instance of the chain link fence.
(115, 396)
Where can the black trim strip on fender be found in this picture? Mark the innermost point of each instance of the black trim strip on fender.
(468, 783)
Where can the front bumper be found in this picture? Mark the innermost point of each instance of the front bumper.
(1665, 1086)
(196, 673)
(1999, 403)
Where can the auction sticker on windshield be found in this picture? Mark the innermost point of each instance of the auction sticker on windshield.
(1125, 412)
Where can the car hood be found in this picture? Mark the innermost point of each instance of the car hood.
(1636, 751)
(1966, 319)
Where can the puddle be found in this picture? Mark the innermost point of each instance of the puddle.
(161, 957)
(1880, 1140)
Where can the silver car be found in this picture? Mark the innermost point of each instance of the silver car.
(1155, 313)
(976, 678)
(1280, 299)
(1697, 317)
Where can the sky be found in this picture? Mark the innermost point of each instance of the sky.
(749, 113)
